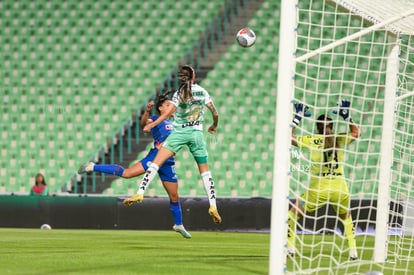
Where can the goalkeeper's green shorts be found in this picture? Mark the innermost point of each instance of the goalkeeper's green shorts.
(323, 190)
(193, 139)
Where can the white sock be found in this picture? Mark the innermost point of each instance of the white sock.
(148, 177)
(209, 187)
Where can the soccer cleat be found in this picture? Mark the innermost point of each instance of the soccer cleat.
(353, 255)
(137, 198)
(291, 251)
(212, 211)
(86, 168)
(180, 229)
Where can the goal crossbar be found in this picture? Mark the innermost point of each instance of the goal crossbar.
(354, 36)
(377, 11)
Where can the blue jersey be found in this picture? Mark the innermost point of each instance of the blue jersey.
(160, 134)
(161, 131)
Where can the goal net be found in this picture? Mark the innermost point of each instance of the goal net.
(363, 52)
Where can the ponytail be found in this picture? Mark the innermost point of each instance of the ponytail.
(186, 76)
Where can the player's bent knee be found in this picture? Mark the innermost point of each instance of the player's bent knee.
(126, 174)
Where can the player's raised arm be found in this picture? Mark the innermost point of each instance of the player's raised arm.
(213, 128)
(354, 130)
(301, 111)
(145, 116)
(344, 113)
(294, 140)
(170, 111)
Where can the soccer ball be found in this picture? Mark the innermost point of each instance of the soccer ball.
(246, 37)
(45, 227)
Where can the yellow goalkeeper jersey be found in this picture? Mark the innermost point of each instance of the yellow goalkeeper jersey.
(325, 163)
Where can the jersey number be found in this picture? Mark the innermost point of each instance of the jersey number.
(194, 113)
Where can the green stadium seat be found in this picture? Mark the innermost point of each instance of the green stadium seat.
(94, 75)
(117, 187)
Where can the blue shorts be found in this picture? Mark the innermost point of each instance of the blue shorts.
(166, 171)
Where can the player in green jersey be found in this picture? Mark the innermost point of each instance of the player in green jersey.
(187, 106)
(327, 179)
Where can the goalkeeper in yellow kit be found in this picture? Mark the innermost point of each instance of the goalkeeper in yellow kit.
(327, 181)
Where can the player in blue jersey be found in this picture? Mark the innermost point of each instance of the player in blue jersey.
(166, 172)
(187, 105)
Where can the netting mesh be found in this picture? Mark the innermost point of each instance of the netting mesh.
(403, 157)
(355, 70)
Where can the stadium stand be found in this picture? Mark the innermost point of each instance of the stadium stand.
(73, 72)
(243, 85)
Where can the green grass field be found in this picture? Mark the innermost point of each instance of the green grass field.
(58, 251)
(35, 251)
(330, 256)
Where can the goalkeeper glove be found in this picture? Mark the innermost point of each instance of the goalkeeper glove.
(344, 110)
(301, 111)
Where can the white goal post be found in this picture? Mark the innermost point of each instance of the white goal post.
(362, 50)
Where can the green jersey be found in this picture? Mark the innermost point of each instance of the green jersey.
(189, 116)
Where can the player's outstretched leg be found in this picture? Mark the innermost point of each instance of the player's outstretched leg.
(137, 198)
(86, 168)
(211, 193)
(146, 180)
(112, 169)
(213, 212)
